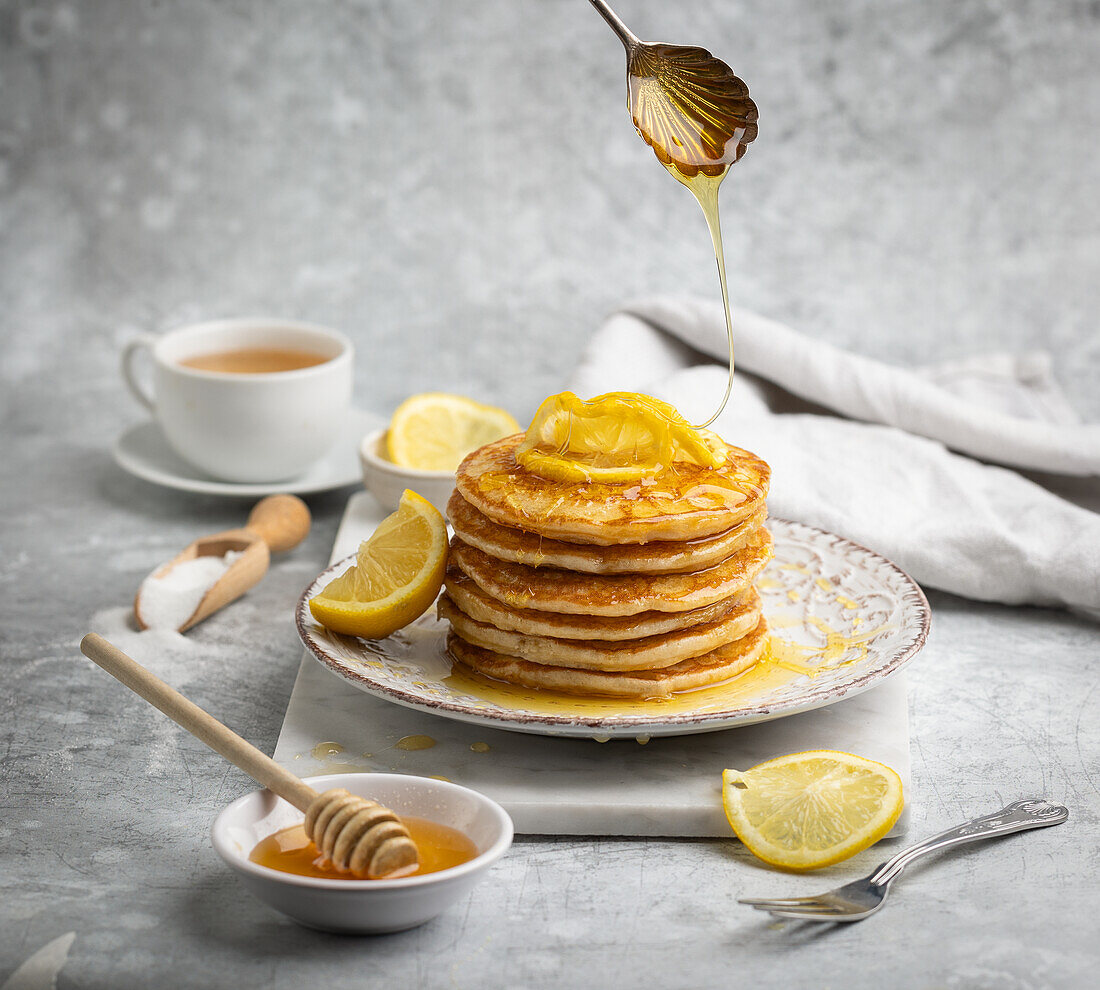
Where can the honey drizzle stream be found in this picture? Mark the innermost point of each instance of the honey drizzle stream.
(698, 118)
(705, 190)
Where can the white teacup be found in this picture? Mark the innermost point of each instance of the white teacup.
(246, 427)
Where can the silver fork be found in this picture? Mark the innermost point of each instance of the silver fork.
(856, 900)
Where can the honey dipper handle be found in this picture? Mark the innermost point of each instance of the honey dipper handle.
(202, 725)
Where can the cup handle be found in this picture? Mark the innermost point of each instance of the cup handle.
(128, 376)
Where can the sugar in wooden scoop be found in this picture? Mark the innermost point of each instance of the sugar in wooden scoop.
(217, 569)
(169, 598)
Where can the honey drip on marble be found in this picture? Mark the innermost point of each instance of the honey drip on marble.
(698, 118)
(290, 851)
(412, 744)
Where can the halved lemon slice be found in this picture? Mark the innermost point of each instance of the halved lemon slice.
(617, 437)
(395, 578)
(434, 431)
(809, 810)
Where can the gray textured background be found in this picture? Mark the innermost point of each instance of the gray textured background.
(457, 185)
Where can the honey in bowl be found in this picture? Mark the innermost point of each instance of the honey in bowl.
(290, 851)
(254, 360)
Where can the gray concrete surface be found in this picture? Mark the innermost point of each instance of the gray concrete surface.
(458, 187)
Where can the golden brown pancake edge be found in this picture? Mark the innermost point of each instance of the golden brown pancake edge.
(554, 590)
(564, 625)
(698, 672)
(685, 502)
(518, 546)
(645, 653)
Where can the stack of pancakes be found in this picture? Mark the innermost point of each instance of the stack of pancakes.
(635, 590)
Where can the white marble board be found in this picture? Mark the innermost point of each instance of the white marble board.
(555, 786)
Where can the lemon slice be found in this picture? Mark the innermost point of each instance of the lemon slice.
(395, 578)
(809, 810)
(434, 431)
(617, 437)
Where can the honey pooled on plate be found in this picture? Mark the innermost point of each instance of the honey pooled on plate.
(290, 851)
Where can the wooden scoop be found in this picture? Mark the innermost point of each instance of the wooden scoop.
(275, 524)
(358, 836)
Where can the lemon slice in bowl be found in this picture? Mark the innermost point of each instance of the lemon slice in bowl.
(395, 578)
(434, 431)
(809, 810)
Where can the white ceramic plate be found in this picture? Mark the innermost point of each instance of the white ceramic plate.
(143, 451)
(843, 618)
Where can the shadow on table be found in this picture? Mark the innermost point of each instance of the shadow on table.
(219, 908)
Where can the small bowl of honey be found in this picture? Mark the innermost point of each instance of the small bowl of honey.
(459, 834)
(387, 481)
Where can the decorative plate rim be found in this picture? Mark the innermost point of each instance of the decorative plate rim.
(911, 597)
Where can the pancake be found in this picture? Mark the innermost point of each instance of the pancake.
(478, 605)
(649, 652)
(698, 672)
(549, 589)
(685, 502)
(658, 557)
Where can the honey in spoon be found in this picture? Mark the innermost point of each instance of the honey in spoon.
(696, 115)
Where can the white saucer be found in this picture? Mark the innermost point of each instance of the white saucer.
(143, 451)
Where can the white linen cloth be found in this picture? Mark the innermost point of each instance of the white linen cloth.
(892, 458)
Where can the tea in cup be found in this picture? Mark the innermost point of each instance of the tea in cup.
(247, 400)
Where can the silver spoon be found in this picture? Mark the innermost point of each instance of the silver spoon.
(697, 116)
(687, 105)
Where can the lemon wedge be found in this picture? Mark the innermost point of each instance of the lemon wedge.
(808, 810)
(617, 437)
(434, 431)
(396, 575)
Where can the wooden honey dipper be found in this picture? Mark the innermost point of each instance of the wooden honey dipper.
(358, 836)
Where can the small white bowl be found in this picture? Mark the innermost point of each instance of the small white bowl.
(386, 481)
(365, 907)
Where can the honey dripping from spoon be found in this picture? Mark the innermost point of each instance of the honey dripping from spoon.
(697, 116)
